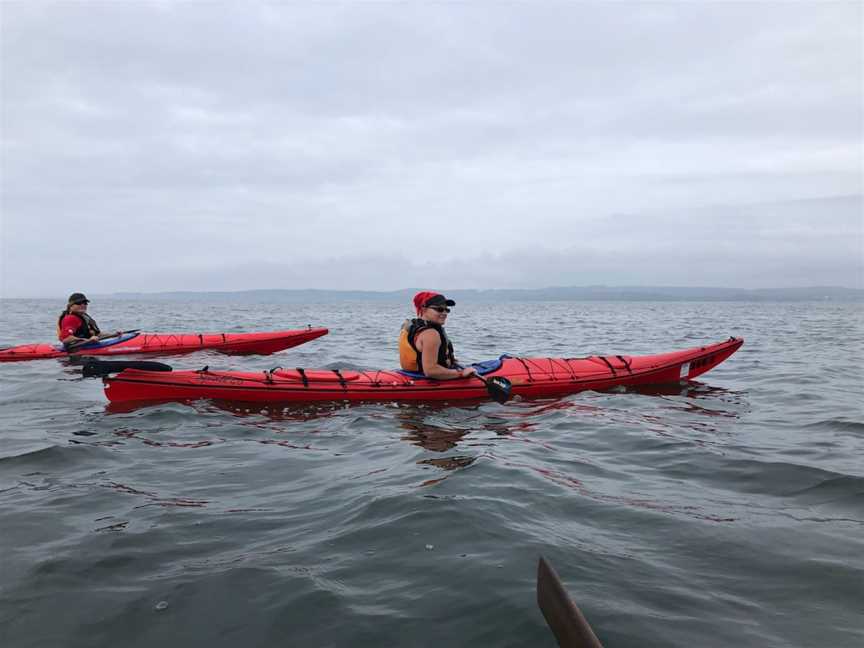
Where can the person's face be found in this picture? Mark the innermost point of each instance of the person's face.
(78, 307)
(437, 314)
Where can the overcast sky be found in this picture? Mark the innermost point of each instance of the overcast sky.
(383, 145)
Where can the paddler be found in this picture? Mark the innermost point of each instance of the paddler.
(423, 343)
(75, 327)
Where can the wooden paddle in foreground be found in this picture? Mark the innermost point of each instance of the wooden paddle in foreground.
(563, 617)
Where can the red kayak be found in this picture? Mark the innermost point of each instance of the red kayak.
(530, 377)
(134, 342)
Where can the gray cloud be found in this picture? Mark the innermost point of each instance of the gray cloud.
(371, 145)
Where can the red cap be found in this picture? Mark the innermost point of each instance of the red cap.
(424, 297)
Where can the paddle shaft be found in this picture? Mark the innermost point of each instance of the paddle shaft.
(75, 345)
(569, 626)
(102, 368)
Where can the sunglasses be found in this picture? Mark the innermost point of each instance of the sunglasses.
(81, 303)
(439, 309)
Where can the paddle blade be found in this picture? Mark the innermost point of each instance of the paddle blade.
(563, 617)
(499, 388)
(105, 367)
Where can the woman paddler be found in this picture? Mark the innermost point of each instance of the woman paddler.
(75, 327)
(423, 343)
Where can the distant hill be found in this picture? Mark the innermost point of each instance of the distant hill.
(568, 293)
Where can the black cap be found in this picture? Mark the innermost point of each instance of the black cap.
(78, 298)
(439, 300)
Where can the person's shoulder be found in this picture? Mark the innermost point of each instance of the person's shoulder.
(428, 332)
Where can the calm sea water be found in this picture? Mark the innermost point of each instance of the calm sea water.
(729, 513)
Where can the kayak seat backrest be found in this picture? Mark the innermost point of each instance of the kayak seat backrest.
(483, 368)
(101, 344)
(316, 375)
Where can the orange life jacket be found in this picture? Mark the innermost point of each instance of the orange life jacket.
(410, 358)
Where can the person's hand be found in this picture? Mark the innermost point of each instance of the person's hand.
(93, 338)
(118, 333)
(467, 372)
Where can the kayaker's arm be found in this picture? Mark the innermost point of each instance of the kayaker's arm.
(429, 342)
(72, 340)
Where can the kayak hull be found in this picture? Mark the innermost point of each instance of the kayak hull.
(262, 343)
(530, 378)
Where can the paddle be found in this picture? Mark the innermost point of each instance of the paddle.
(105, 367)
(499, 387)
(77, 345)
(563, 617)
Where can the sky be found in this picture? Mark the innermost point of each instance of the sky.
(155, 146)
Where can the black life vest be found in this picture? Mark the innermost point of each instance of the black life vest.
(85, 329)
(411, 358)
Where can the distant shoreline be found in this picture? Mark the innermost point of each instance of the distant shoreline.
(830, 294)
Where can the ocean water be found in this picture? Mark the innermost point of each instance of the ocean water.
(729, 512)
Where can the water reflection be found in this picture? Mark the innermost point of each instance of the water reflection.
(694, 414)
(440, 427)
(451, 437)
(275, 412)
(449, 463)
(420, 426)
